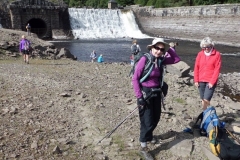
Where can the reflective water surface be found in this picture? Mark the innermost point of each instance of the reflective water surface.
(118, 50)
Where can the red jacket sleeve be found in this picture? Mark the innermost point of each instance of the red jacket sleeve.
(196, 68)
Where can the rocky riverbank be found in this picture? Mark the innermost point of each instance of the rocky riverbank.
(60, 109)
(9, 46)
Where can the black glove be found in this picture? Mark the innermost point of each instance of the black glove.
(141, 102)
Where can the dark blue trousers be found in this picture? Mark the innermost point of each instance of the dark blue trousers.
(149, 117)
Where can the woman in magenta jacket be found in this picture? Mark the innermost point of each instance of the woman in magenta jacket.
(206, 70)
(150, 112)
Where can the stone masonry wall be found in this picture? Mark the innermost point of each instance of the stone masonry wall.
(5, 19)
(221, 22)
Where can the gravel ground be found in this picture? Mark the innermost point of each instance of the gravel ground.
(60, 109)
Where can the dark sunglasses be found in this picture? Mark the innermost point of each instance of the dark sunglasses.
(208, 47)
(157, 48)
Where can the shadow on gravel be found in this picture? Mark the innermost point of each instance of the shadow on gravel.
(168, 138)
(51, 64)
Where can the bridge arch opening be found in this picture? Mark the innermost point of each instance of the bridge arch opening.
(38, 26)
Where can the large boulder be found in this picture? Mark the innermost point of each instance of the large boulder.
(181, 69)
(4, 45)
(65, 53)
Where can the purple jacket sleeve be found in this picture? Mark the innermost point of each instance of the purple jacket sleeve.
(20, 44)
(137, 75)
(171, 57)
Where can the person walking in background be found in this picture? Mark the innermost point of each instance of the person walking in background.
(24, 48)
(100, 59)
(93, 56)
(206, 70)
(135, 48)
(150, 111)
(28, 28)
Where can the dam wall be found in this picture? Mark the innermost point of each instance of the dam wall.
(220, 22)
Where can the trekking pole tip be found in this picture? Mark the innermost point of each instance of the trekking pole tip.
(99, 142)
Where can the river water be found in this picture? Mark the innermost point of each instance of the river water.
(118, 50)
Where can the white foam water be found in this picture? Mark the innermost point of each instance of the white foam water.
(103, 23)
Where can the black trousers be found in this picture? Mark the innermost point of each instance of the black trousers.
(149, 116)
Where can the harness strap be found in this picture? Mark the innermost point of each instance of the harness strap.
(148, 73)
(163, 73)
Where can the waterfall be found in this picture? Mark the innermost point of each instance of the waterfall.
(103, 23)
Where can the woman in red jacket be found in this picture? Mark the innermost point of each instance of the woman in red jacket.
(206, 70)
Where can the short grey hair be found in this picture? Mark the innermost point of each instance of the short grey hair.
(206, 41)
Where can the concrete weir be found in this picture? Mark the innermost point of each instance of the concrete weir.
(221, 22)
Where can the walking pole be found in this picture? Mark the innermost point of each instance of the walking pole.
(147, 97)
(118, 125)
(232, 136)
(162, 99)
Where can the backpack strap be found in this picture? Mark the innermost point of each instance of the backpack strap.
(146, 75)
(216, 142)
(162, 70)
(200, 117)
(205, 117)
(148, 67)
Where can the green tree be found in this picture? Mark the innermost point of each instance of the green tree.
(151, 2)
(125, 2)
(160, 4)
(141, 2)
(66, 1)
(103, 4)
(73, 3)
(232, 1)
(92, 3)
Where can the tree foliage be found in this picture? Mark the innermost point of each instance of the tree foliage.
(155, 3)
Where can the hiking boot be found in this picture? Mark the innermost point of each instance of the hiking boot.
(143, 144)
(145, 153)
(153, 141)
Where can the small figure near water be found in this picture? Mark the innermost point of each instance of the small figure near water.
(206, 70)
(24, 48)
(28, 28)
(93, 56)
(135, 48)
(100, 59)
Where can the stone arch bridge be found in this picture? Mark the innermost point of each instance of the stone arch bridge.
(47, 20)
